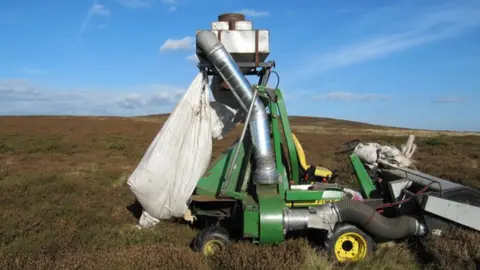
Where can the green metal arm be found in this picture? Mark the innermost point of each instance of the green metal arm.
(366, 183)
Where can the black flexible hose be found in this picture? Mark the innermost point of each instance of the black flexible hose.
(358, 213)
(278, 78)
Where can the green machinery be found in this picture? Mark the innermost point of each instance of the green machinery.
(257, 212)
(261, 189)
(227, 199)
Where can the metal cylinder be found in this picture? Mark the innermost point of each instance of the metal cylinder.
(226, 96)
(295, 219)
(231, 18)
(265, 172)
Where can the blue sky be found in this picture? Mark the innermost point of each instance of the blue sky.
(400, 63)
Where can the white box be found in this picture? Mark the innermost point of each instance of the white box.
(220, 26)
(243, 25)
(243, 41)
(241, 44)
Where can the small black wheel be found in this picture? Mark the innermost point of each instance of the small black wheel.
(211, 240)
(348, 243)
(347, 147)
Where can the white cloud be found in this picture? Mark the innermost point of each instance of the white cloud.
(193, 57)
(348, 96)
(34, 70)
(20, 97)
(177, 44)
(136, 3)
(164, 95)
(450, 99)
(423, 27)
(98, 9)
(172, 4)
(253, 13)
(95, 10)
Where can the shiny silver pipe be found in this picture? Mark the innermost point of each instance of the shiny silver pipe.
(295, 219)
(215, 53)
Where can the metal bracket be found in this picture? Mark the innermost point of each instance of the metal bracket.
(271, 93)
(252, 65)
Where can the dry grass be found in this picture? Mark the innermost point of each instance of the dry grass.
(64, 198)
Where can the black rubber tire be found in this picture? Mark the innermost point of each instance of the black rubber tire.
(217, 235)
(347, 231)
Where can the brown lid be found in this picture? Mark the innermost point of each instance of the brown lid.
(231, 18)
(227, 17)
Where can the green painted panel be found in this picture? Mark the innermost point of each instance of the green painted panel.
(251, 220)
(271, 215)
(288, 136)
(240, 168)
(213, 180)
(366, 183)
(277, 140)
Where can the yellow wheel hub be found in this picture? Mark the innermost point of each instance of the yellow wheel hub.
(350, 247)
(212, 246)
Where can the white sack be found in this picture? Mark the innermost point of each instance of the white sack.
(372, 153)
(410, 147)
(367, 153)
(178, 157)
(225, 115)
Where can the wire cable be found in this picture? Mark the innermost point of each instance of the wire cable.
(278, 78)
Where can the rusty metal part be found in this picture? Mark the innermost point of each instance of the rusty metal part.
(231, 18)
(257, 58)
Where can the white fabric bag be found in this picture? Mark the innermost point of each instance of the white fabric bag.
(373, 153)
(225, 115)
(178, 157)
(368, 152)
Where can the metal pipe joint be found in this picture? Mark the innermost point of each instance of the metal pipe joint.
(215, 53)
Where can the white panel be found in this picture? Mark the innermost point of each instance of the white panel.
(300, 187)
(243, 25)
(397, 186)
(244, 41)
(331, 194)
(467, 215)
(264, 41)
(219, 25)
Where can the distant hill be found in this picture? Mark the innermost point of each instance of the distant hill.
(315, 121)
(308, 124)
(309, 121)
(339, 126)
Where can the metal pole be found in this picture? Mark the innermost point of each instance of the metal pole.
(235, 155)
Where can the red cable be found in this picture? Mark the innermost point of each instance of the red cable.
(403, 201)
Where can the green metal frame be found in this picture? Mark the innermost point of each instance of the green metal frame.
(263, 205)
(366, 183)
(279, 110)
(211, 183)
